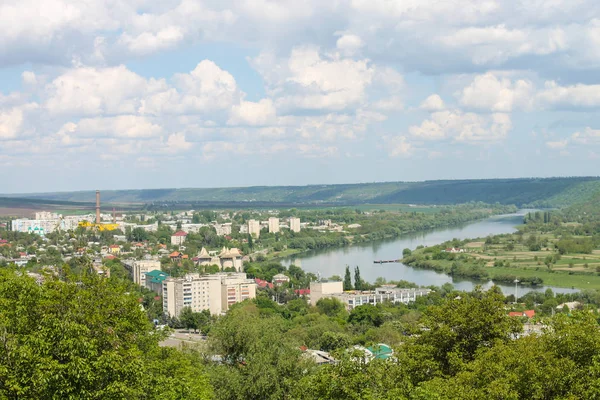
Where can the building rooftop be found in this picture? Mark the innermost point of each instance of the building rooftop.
(180, 233)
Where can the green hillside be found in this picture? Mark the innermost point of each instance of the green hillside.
(537, 192)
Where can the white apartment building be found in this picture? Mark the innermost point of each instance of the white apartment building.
(354, 298)
(254, 227)
(215, 293)
(223, 229)
(46, 215)
(295, 224)
(37, 226)
(318, 290)
(140, 268)
(273, 225)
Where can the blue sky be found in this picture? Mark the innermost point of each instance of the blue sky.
(201, 93)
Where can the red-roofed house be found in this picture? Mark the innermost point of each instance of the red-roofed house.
(526, 313)
(178, 238)
(175, 255)
(302, 292)
(110, 257)
(263, 284)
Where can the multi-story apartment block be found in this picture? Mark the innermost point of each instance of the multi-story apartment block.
(46, 215)
(254, 227)
(223, 229)
(140, 268)
(178, 238)
(355, 298)
(215, 293)
(295, 224)
(273, 225)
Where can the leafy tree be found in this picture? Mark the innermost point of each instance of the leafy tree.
(331, 307)
(347, 279)
(83, 338)
(358, 282)
(367, 314)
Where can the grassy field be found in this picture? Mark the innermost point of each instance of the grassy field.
(569, 270)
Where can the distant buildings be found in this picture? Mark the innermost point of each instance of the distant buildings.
(273, 225)
(280, 279)
(178, 238)
(46, 215)
(254, 228)
(351, 299)
(227, 258)
(223, 229)
(295, 224)
(215, 293)
(140, 268)
(154, 280)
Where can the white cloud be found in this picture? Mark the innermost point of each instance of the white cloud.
(588, 136)
(176, 142)
(557, 145)
(433, 103)
(575, 96)
(123, 126)
(463, 127)
(10, 123)
(94, 91)
(309, 81)
(150, 42)
(399, 146)
(489, 92)
(251, 113)
(349, 44)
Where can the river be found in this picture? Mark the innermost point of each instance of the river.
(331, 262)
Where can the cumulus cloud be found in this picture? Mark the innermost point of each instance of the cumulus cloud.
(558, 144)
(433, 103)
(349, 44)
(587, 136)
(498, 94)
(574, 96)
(463, 127)
(253, 113)
(399, 146)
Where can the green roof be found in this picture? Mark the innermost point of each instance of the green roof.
(157, 276)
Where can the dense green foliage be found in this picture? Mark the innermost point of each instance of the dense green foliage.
(86, 339)
(539, 192)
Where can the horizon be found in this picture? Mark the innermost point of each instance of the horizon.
(306, 185)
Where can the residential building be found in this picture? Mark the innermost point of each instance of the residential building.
(215, 293)
(355, 298)
(155, 279)
(223, 229)
(294, 224)
(178, 238)
(318, 290)
(46, 215)
(114, 249)
(273, 225)
(254, 228)
(280, 279)
(140, 268)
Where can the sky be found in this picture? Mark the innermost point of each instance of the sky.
(130, 94)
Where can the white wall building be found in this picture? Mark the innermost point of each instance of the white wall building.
(273, 225)
(140, 268)
(46, 215)
(223, 229)
(254, 228)
(215, 293)
(351, 299)
(295, 224)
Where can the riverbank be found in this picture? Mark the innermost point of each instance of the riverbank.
(505, 258)
(387, 226)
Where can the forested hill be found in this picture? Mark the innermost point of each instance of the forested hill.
(536, 192)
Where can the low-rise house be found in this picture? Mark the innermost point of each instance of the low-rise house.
(280, 279)
(526, 313)
(114, 249)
